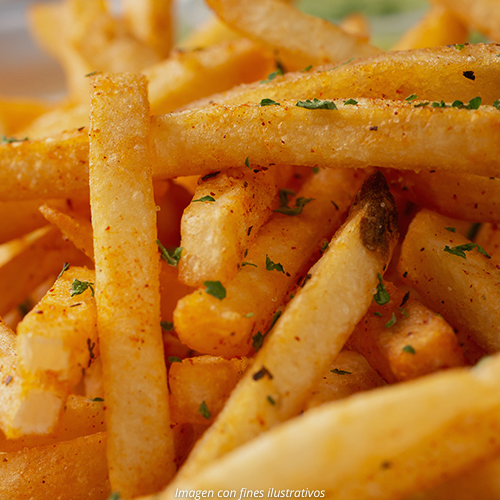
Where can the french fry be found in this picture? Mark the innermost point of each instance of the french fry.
(420, 433)
(348, 374)
(480, 15)
(81, 417)
(356, 24)
(439, 26)
(186, 76)
(39, 259)
(463, 287)
(200, 386)
(311, 40)
(73, 469)
(7, 340)
(17, 114)
(59, 334)
(403, 339)
(140, 448)
(279, 256)
(76, 229)
(150, 21)
(461, 196)
(312, 330)
(172, 290)
(216, 234)
(211, 32)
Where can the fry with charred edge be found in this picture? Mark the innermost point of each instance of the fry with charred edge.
(311, 41)
(420, 432)
(312, 330)
(403, 339)
(140, 442)
(278, 257)
(391, 75)
(453, 276)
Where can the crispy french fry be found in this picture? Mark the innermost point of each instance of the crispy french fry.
(150, 21)
(216, 234)
(81, 417)
(231, 326)
(463, 287)
(140, 449)
(420, 432)
(403, 339)
(200, 386)
(73, 469)
(297, 38)
(312, 330)
(348, 374)
(186, 76)
(76, 229)
(7, 340)
(39, 259)
(461, 196)
(439, 26)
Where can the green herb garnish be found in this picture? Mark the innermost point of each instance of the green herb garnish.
(172, 259)
(269, 102)
(460, 250)
(78, 287)
(204, 411)
(409, 348)
(391, 322)
(381, 296)
(215, 288)
(340, 372)
(167, 326)
(350, 102)
(316, 104)
(205, 198)
(271, 266)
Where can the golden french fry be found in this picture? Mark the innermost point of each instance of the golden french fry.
(297, 38)
(73, 469)
(150, 22)
(215, 234)
(81, 417)
(140, 449)
(200, 386)
(439, 26)
(403, 339)
(76, 229)
(419, 432)
(186, 76)
(462, 286)
(279, 256)
(311, 331)
(348, 374)
(7, 340)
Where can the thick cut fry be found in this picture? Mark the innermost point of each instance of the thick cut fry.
(76, 229)
(312, 330)
(419, 433)
(231, 326)
(186, 76)
(38, 260)
(391, 75)
(200, 386)
(403, 339)
(348, 374)
(73, 469)
(81, 417)
(59, 334)
(297, 38)
(459, 195)
(150, 21)
(140, 449)
(459, 282)
(482, 15)
(216, 234)
(439, 26)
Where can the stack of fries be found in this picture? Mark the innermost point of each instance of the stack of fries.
(261, 262)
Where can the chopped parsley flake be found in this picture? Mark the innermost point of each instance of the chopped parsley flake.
(324, 246)
(243, 264)
(247, 163)
(167, 326)
(381, 296)
(351, 102)
(392, 321)
(64, 269)
(204, 411)
(451, 229)
(172, 259)
(257, 341)
(205, 198)
(97, 399)
(340, 372)
(376, 313)
(315, 170)
(271, 266)
(412, 97)
(90, 74)
(409, 348)
(297, 209)
(78, 287)
(174, 359)
(459, 46)
(215, 288)
(316, 104)
(269, 102)
(307, 68)
(273, 75)
(460, 250)
(9, 140)
(496, 104)
(271, 400)
(263, 372)
(421, 104)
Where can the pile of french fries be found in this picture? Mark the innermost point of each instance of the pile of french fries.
(259, 262)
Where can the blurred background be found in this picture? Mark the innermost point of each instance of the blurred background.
(26, 70)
